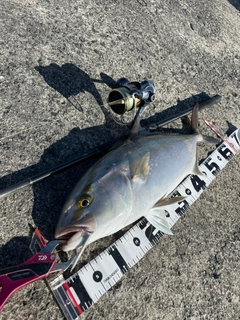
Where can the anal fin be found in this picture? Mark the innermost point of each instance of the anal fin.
(157, 217)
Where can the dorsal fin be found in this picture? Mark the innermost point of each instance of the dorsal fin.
(194, 118)
(194, 127)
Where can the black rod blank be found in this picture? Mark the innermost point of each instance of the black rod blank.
(29, 181)
(183, 113)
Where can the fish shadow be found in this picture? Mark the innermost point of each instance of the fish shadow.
(50, 194)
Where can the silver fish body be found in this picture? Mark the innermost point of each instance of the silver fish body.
(126, 184)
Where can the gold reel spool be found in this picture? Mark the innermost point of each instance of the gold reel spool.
(123, 105)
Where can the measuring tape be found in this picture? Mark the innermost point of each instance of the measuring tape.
(77, 293)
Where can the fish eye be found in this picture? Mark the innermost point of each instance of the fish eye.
(84, 202)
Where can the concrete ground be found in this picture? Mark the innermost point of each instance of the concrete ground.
(59, 60)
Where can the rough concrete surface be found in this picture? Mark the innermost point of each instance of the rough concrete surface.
(59, 60)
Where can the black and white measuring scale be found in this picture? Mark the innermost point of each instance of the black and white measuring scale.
(84, 288)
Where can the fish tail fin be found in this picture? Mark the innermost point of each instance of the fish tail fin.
(209, 140)
(194, 127)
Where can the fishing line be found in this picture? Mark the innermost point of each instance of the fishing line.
(121, 121)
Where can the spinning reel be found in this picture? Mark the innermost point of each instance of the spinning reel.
(127, 97)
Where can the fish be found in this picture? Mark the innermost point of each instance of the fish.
(130, 182)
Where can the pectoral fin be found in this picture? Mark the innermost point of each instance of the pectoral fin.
(210, 140)
(157, 217)
(140, 170)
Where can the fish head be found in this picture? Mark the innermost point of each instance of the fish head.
(92, 207)
(79, 214)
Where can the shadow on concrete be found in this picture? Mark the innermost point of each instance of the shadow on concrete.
(50, 194)
(235, 3)
(69, 81)
(231, 128)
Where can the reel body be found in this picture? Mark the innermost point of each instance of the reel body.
(128, 96)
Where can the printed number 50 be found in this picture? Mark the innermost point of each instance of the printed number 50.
(212, 166)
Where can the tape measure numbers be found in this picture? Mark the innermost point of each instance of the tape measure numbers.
(77, 293)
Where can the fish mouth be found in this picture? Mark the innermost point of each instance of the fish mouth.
(68, 232)
(74, 237)
(76, 233)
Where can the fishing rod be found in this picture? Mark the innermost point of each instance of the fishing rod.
(124, 98)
